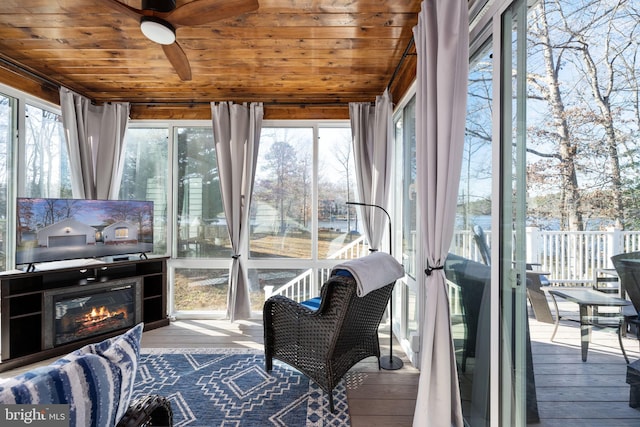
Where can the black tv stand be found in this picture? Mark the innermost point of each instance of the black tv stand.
(22, 312)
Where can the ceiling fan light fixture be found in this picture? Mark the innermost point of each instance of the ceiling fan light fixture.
(157, 30)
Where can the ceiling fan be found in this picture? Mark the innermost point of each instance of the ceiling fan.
(160, 18)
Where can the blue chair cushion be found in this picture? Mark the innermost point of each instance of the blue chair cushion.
(345, 273)
(314, 303)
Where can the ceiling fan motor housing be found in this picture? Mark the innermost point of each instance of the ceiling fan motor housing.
(159, 5)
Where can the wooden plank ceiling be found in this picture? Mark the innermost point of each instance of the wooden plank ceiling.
(287, 52)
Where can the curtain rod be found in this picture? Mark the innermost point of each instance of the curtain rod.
(270, 104)
(404, 56)
(55, 85)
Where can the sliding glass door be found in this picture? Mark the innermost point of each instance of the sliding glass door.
(487, 270)
(517, 405)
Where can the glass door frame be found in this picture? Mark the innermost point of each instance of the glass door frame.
(512, 215)
(408, 298)
(507, 391)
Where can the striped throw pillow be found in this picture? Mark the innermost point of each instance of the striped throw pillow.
(96, 381)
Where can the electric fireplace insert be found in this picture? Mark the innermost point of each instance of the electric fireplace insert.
(76, 313)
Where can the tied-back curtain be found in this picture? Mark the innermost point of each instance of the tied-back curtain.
(94, 136)
(372, 131)
(442, 44)
(236, 132)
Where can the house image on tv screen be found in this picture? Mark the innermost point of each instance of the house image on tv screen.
(65, 233)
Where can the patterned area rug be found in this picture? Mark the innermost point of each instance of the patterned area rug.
(230, 388)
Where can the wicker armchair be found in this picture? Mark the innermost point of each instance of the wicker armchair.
(324, 344)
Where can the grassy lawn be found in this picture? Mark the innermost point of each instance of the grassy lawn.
(206, 289)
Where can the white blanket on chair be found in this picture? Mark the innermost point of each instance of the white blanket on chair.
(373, 271)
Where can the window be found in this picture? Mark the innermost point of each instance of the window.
(46, 159)
(200, 289)
(406, 303)
(145, 176)
(406, 133)
(201, 226)
(304, 179)
(282, 199)
(7, 114)
(339, 228)
(467, 286)
(122, 233)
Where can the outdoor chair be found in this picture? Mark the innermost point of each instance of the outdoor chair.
(324, 343)
(472, 278)
(629, 275)
(535, 279)
(481, 242)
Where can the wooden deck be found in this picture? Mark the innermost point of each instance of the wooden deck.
(575, 393)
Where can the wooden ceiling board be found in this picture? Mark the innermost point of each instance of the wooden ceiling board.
(286, 52)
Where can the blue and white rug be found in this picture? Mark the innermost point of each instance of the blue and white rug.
(230, 388)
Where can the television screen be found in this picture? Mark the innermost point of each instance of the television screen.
(63, 229)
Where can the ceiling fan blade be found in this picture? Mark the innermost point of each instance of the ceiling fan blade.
(127, 10)
(200, 12)
(178, 59)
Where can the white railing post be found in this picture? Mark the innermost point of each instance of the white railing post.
(533, 253)
(615, 244)
(268, 291)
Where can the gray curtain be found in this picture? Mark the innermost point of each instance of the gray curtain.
(372, 131)
(94, 135)
(236, 132)
(442, 44)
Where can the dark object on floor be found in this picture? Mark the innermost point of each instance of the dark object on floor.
(151, 410)
(633, 379)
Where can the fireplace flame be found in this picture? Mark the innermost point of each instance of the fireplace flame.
(102, 313)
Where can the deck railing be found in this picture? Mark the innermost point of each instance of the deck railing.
(303, 286)
(572, 258)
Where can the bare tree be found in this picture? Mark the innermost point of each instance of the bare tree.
(343, 155)
(281, 161)
(476, 166)
(304, 177)
(599, 71)
(586, 56)
(548, 86)
(43, 127)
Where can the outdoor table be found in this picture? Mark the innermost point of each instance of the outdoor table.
(589, 300)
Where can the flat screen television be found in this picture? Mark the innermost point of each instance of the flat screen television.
(63, 229)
